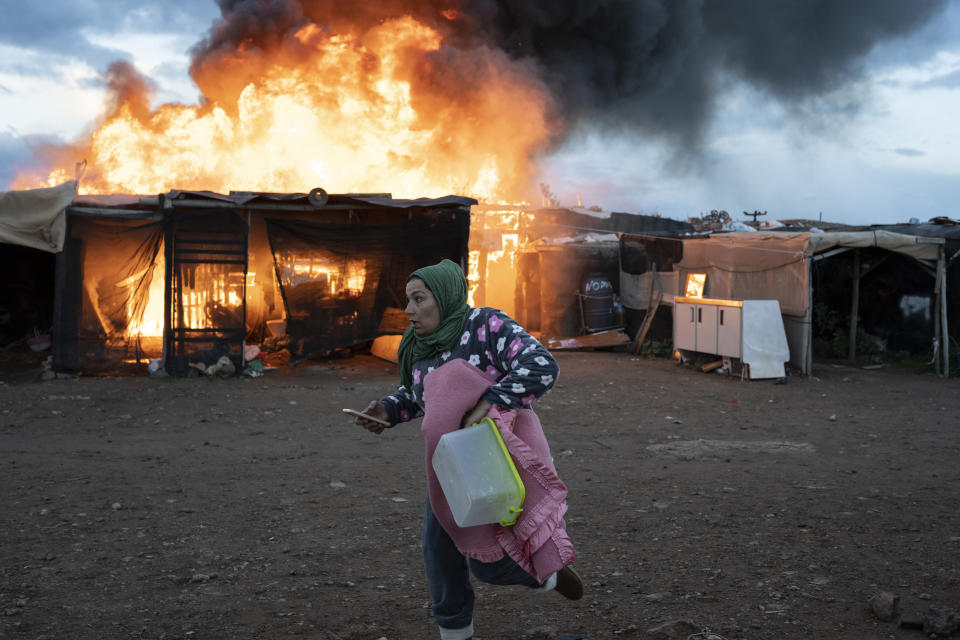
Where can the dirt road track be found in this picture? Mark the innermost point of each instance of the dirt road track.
(252, 508)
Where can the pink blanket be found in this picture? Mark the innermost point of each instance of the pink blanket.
(538, 542)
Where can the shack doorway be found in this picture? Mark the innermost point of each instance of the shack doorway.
(207, 258)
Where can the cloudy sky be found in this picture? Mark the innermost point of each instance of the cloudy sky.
(881, 146)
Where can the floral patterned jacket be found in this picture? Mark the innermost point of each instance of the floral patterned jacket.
(498, 346)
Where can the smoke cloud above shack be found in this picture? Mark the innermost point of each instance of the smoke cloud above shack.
(654, 65)
(463, 95)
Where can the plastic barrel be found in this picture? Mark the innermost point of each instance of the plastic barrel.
(597, 292)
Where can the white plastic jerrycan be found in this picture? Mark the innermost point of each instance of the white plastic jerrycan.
(478, 477)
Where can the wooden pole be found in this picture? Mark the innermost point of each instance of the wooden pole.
(854, 306)
(168, 324)
(808, 319)
(653, 303)
(942, 295)
(481, 295)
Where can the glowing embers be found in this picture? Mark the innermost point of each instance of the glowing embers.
(325, 275)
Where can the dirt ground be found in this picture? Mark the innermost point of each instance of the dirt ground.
(253, 508)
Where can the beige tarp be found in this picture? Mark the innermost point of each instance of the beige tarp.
(635, 288)
(771, 265)
(917, 247)
(751, 266)
(36, 217)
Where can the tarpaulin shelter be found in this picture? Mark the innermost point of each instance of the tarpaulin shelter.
(187, 276)
(560, 248)
(35, 217)
(777, 265)
(949, 231)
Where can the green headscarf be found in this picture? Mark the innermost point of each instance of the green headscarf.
(448, 285)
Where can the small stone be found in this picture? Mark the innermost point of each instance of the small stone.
(672, 629)
(656, 597)
(336, 484)
(540, 633)
(200, 577)
(885, 606)
(116, 506)
(940, 621)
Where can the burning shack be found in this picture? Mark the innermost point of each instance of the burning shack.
(539, 264)
(189, 277)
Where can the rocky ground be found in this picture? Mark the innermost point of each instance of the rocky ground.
(146, 507)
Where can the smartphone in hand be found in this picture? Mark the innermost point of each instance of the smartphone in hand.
(358, 414)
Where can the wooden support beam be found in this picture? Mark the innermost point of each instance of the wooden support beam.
(854, 306)
(808, 322)
(653, 303)
(480, 295)
(942, 325)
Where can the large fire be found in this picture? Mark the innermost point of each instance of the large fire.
(383, 110)
(392, 108)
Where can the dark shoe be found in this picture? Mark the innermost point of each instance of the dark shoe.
(569, 584)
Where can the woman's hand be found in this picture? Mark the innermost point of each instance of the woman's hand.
(476, 414)
(376, 410)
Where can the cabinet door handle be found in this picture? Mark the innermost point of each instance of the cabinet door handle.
(699, 314)
(721, 316)
(691, 314)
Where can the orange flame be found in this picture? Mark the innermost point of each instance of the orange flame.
(391, 109)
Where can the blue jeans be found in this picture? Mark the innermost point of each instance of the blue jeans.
(449, 577)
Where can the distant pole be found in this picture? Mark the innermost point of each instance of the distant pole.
(755, 215)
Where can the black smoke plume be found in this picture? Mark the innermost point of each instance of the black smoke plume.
(649, 65)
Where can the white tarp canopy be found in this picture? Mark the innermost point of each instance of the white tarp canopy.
(768, 265)
(36, 217)
(776, 266)
(917, 247)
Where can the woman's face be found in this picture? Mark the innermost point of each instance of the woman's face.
(422, 308)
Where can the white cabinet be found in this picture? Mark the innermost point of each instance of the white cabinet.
(685, 326)
(707, 326)
(751, 330)
(729, 331)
